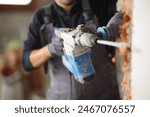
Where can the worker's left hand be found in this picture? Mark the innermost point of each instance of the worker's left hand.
(113, 25)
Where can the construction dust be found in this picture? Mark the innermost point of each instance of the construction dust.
(125, 6)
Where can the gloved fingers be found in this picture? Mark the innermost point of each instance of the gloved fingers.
(51, 49)
(119, 19)
(60, 53)
(114, 31)
(55, 50)
(58, 48)
(116, 19)
(119, 15)
(58, 43)
(61, 43)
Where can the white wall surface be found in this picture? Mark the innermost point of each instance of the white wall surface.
(140, 61)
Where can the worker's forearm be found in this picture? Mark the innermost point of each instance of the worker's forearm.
(39, 57)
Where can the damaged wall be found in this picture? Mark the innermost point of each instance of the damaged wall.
(123, 54)
(134, 64)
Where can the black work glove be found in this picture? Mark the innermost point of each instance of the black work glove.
(56, 46)
(113, 25)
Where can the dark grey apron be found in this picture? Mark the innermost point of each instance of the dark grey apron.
(62, 84)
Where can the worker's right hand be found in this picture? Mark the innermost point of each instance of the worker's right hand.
(56, 46)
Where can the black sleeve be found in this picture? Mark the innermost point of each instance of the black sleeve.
(33, 40)
(104, 10)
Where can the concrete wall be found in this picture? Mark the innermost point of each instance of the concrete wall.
(140, 64)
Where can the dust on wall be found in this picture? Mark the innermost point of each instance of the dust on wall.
(123, 55)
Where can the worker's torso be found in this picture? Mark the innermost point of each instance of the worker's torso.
(62, 83)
